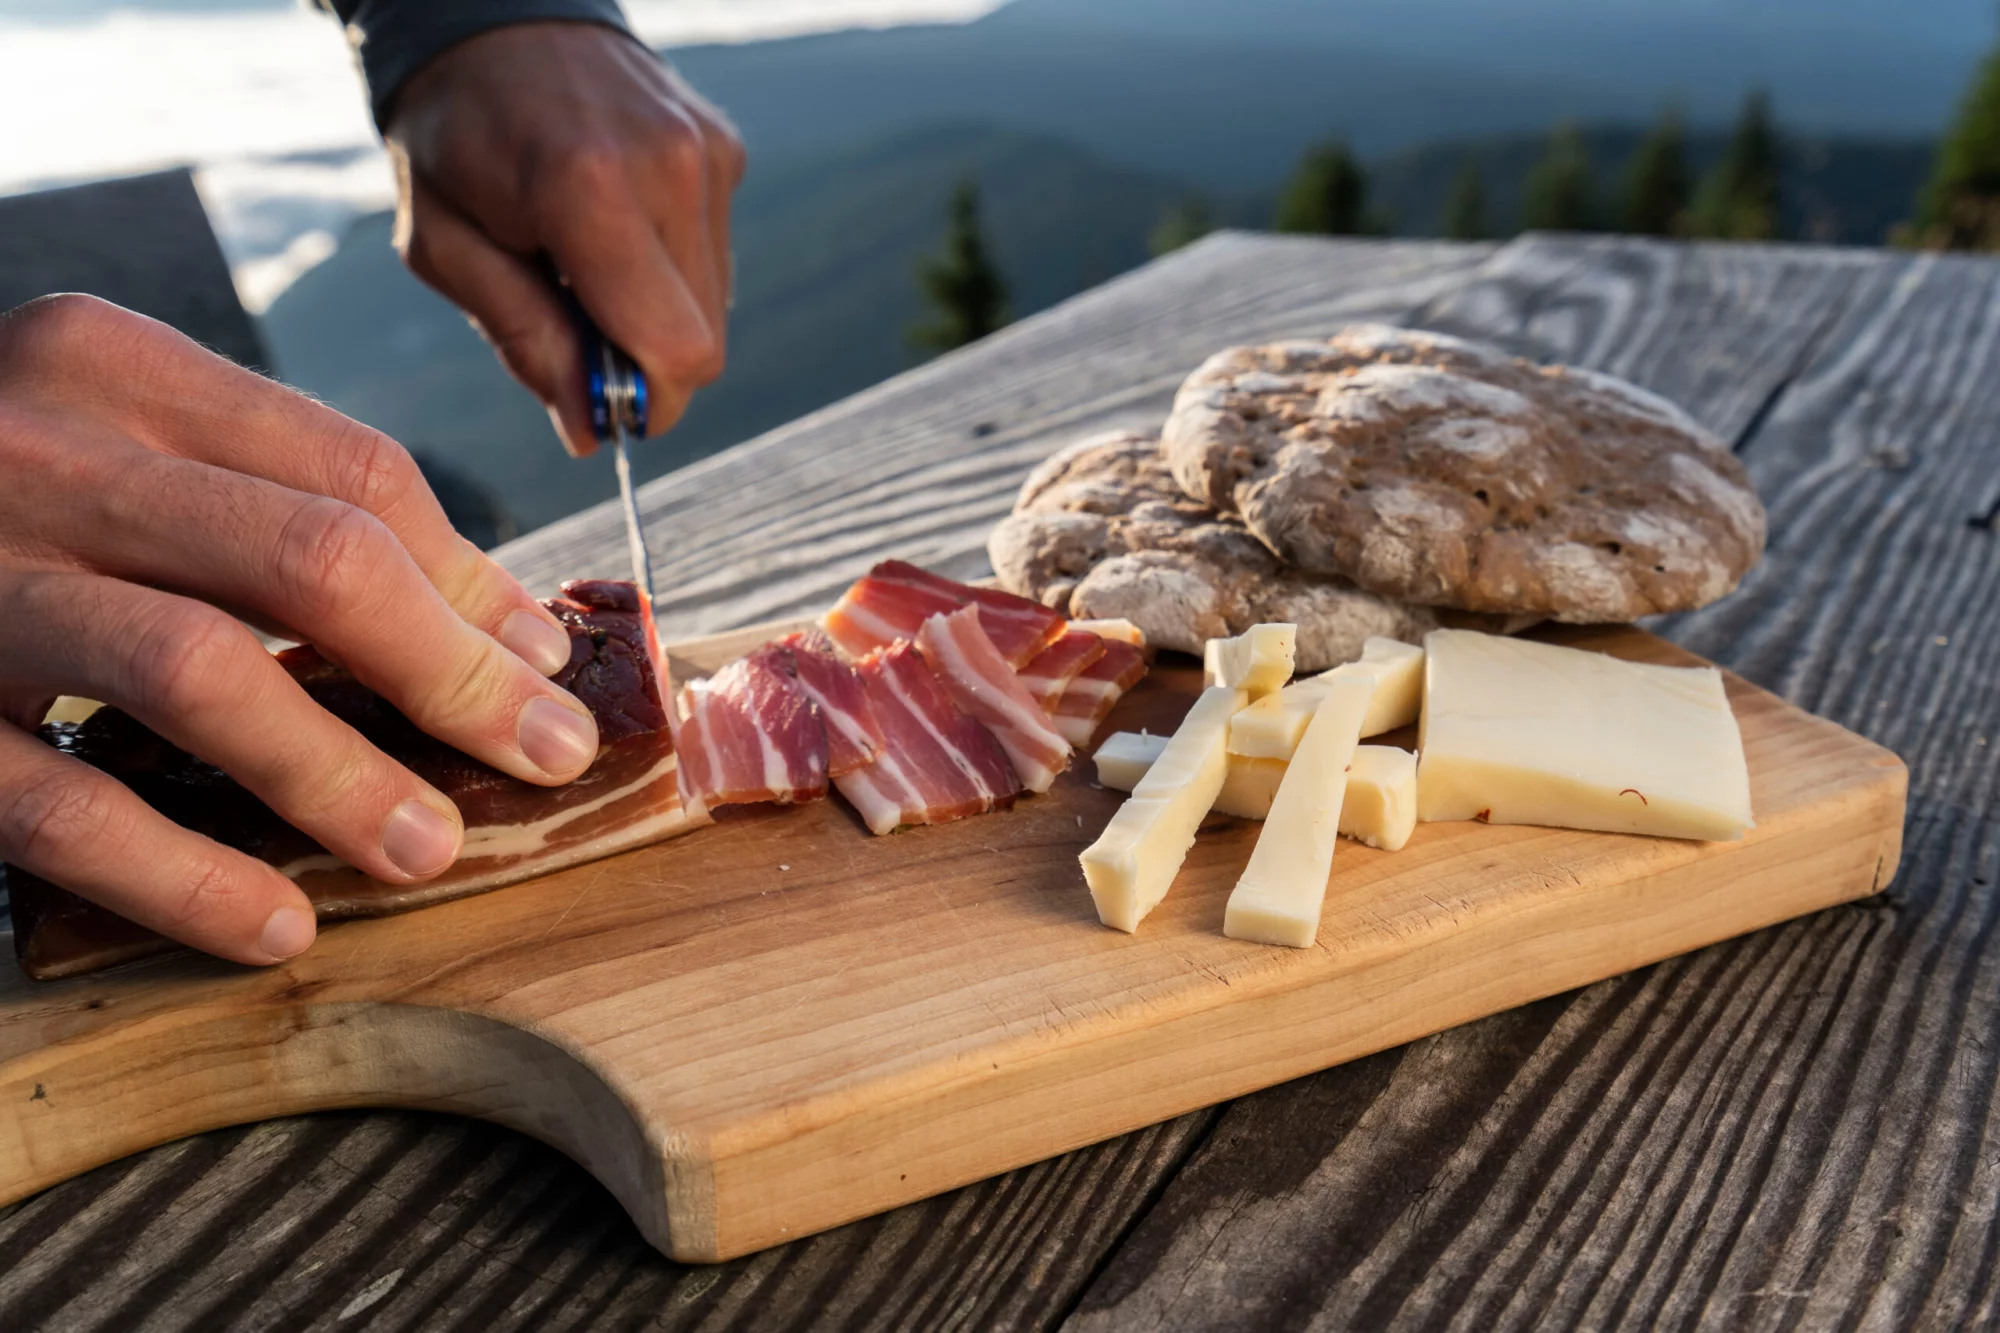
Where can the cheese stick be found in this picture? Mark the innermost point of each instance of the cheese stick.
(1278, 898)
(1133, 863)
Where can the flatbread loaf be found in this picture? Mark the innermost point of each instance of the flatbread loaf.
(1100, 530)
(1433, 470)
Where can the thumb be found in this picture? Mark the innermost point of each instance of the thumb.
(511, 304)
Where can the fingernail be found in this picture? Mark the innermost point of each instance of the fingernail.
(560, 741)
(543, 646)
(419, 840)
(287, 931)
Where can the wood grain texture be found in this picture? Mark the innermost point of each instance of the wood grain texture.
(1791, 1130)
(783, 1023)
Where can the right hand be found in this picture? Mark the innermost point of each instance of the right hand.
(145, 485)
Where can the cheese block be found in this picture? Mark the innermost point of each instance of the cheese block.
(1278, 898)
(1398, 671)
(1122, 630)
(1270, 728)
(1125, 756)
(1258, 660)
(1380, 807)
(1516, 732)
(1133, 863)
(1249, 787)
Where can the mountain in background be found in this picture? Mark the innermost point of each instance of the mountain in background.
(825, 248)
(1225, 94)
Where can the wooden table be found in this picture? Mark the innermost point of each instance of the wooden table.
(1800, 1128)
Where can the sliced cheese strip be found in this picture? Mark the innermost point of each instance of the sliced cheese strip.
(1270, 728)
(1258, 660)
(1529, 733)
(1133, 863)
(1380, 806)
(1125, 756)
(1278, 898)
(1249, 787)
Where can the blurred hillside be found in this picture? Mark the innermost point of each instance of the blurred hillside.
(1835, 191)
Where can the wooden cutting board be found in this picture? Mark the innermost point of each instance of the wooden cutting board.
(782, 1023)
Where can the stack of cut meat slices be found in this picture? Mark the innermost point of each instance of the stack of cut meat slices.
(920, 699)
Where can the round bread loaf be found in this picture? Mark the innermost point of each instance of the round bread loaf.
(1100, 530)
(1433, 470)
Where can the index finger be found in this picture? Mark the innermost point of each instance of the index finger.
(183, 400)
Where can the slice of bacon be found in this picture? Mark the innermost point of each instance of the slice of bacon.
(982, 684)
(1097, 689)
(628, 797)
(938, 764)
(853, 733)
(894, 600)
(749, 734)
(1057, 665)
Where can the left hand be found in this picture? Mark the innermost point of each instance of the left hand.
(574, 141)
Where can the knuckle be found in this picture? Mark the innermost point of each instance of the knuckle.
(65, 322)
(59, 336)
(593, 172)
(373, 471)
(188, 661)
(469, 696)
(677, 148)
(727, 147)
(327, 554)
(210, 891)
(42, 820)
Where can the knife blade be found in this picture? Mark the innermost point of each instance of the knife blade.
(618, 415)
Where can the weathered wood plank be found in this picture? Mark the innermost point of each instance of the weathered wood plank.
(430, 1222)
(1789, 1130)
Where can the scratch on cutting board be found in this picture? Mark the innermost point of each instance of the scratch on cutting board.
(581, 894)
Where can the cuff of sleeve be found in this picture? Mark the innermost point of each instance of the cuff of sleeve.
(394, 38)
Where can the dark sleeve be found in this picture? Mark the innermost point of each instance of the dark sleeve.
(393, 38)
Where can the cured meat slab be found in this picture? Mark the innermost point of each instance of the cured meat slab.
(783, 1022)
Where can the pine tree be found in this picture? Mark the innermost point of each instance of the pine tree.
(1327, 194)
(1465, 208)
(1559, 188)
(1738, 200)
(1656, 182)
(1960, 208)
(967, 290)
(1182, 224)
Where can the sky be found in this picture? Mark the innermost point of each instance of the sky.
(91, 89)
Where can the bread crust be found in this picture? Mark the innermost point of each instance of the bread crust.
(1101, 531)
(1432, 470)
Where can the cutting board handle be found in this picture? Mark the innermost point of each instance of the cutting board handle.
(100, 1090)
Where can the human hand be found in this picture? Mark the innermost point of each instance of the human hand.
(145, 484)
(572, 141)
